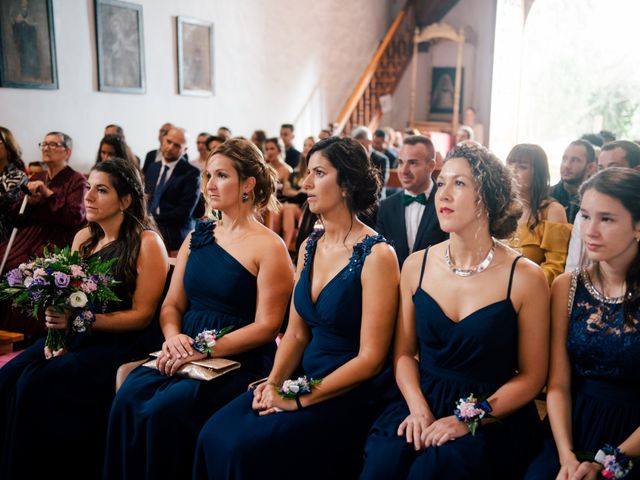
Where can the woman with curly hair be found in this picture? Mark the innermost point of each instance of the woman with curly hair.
(339, 331)
(471, 339)
(543, 232)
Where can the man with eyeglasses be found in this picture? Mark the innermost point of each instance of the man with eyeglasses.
(55, 212)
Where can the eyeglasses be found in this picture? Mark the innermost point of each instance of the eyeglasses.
(50, 145)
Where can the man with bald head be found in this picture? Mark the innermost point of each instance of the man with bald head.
(156, 155)
(173, 187)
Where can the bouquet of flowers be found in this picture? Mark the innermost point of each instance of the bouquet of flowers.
(294, 388)
(471, 410)
(61, 280)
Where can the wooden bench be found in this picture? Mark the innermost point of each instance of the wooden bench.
(7, 339)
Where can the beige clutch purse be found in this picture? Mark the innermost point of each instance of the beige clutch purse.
(206, 369)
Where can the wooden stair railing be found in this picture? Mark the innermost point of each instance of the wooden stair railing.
(382, 75)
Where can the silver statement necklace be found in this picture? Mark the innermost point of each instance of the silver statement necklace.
(465, 272)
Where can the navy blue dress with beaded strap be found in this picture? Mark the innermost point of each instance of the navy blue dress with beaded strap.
(53, 413)
(477, 354)
(323, 440)
(605, 379)
(155, 419)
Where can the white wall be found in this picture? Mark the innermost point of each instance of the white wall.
(275, 62)
(479, 16)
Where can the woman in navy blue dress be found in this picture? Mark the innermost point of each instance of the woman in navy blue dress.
(54, 406)
(473, 319)
(339, 332)
(231, 273)
(594, 380)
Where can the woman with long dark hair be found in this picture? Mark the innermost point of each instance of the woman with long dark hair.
(114, 146)
(56, 404)
(594, 380)
(543, 232)
(339, 330)
(12, 176)
(233, 272)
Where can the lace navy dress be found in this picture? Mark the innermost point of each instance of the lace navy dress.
(604, 353)
(477, 354)
(155, 419)
(323, 440)
(53, 413)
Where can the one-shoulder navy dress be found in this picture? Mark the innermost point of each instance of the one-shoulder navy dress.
(53, 413)
(323, 438)
(605, 379)
(477, 354)
(155, 419)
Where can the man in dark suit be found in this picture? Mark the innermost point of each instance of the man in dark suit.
(173, 187)
(408, 218)
(381, 162)
(156, 155)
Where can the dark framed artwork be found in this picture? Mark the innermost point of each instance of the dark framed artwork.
(27, 44)
(120, 42)
(443, 93)
(195, 57)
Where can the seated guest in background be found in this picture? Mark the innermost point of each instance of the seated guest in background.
(274, 156)
(464, 133)
(380, 161)
(470, 120)
(54, 406)
(112, 146)
(408, 218)
(379, 144)
(173, 186)
(156, 155)
(473, 320)
(578, 164)
(203, 152)
(12, 177)
(36, 167)
(224, 132)
(231, 273)
(291, 155)
(324, 134)
(594, 139)
(213, 142)
(592, 391)
(119, 132)
(259, 137)
(620, 153)
(606, 136)
(54, 214)
(340, 327)
(294, 196)
(543, 232)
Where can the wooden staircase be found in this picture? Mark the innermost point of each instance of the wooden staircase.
(382, 75)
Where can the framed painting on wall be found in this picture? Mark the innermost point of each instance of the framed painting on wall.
(120, 43)
(195, 57)
(443, 92)
(27, 44)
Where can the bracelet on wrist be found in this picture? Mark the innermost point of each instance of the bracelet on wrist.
(292, 389)
(615, 463)
(206, 339)
(470, 411)
(84, 321)
(298, 403)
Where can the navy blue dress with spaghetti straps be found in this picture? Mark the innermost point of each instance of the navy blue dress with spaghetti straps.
(323, 440)
(476, 355)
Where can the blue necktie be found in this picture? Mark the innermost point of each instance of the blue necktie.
(158, 192)
(409, 199)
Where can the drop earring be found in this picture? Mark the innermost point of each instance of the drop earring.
(245, 197)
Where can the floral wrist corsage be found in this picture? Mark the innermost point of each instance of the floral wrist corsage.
(206, 339)
(616, 464)
(470, 410)
(83, 321)
(292, 389)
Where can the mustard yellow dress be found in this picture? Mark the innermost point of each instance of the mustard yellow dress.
(547, 245)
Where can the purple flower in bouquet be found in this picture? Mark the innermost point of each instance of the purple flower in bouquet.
(61, 279)
(39, 281)
(89, 285)
(14, 277)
